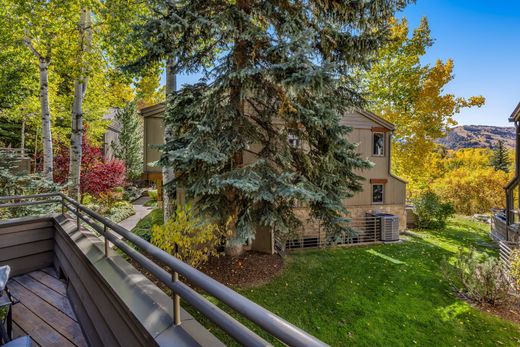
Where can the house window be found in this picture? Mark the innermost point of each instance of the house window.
(378, 193)
(294, 140)
(379, 144)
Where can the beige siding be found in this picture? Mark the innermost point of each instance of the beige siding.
(357, 121)
(153, 135)
(111, 139)
(395, 189)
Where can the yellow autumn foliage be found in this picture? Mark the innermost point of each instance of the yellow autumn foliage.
(196, 240)
(412, 95)
(465, 179)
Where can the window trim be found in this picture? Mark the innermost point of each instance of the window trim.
(383, 193)
(374, 145)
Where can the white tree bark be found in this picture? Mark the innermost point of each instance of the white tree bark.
(48, 165)
(44, 62)
(169, 195)
(22, 138)
(80, 88)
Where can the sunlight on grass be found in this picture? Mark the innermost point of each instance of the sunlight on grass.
(395, 261)
(366, 296)
(453, 311)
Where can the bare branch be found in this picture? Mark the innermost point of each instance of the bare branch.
(28, 42)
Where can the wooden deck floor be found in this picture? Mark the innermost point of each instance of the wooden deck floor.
(44, 311)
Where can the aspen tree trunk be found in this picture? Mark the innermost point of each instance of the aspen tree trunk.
(80, 88)
(46, 119)
(22, 138)
(169, 194)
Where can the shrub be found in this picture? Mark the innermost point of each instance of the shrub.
(15, 182)
(188, 237)
(153, 194)
(120, 211)
(431, 211)
(480, 278)
(144, 226)
(515, 268)
(97, 174)
(472, 190)
(131, 193)
(109, 199)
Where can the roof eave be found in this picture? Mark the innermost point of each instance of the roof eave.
(515, 116)
(372, 116)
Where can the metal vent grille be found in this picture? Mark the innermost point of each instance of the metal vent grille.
(390, 228)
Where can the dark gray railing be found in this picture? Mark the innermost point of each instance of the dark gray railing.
(268, 321)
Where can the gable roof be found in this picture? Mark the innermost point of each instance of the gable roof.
(376, 119)
(515, 116)
(158, 110)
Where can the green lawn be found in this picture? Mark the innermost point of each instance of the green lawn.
(384, 295)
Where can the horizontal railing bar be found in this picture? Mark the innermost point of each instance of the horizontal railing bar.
(227, 323)
(271, 323)
(234, 328)
(276, 326)
(25, 197)
(30, 203)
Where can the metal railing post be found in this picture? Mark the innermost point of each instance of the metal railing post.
(176, 303)
(106, 241)
(264, 319)
(77, 217)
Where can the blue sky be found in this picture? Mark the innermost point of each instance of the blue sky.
(483, 39)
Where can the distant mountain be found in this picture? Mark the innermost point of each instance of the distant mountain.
(478, 136)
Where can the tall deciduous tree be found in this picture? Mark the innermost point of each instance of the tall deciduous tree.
(39, 25)
(275, 70)
(411, 95)
(80, 89)
(500, 159)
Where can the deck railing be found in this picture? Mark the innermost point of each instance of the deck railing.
(499, 226)
(268, 321)
(19, 152)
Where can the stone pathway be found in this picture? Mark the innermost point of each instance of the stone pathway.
(141, 211)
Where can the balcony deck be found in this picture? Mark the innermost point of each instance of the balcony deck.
(44, 311)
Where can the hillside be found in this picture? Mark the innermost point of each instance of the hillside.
(478, 136)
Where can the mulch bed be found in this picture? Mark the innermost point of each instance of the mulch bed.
(247, 270)
(509, 312)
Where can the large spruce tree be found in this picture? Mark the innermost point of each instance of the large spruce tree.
(273, 70)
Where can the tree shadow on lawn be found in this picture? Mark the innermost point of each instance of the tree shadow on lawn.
(350, 296)
(377, 302)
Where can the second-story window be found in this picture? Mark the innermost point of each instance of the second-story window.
(379, 144)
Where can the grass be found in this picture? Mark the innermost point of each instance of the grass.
(384, 295)
(144, 226)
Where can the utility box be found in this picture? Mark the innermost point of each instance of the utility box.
(389, 226)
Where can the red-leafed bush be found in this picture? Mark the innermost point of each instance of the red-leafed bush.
(97, 174)
(102, 177)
